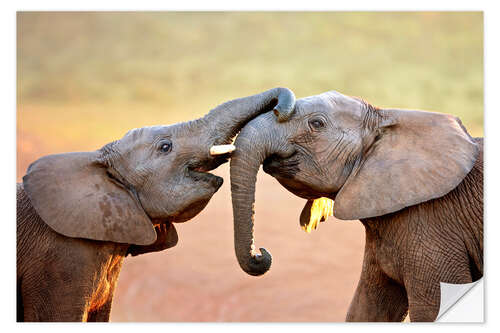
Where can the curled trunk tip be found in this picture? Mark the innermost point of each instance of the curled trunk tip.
(286, 105)
(258, 264)
(228, 118)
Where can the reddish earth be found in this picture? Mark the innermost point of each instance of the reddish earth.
(313, 276)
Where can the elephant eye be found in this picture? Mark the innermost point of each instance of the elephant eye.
(165, 147)
(316, 123)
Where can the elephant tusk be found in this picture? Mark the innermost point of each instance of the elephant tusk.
(221, 149)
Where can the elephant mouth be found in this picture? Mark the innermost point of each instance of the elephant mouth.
(206, 183)
(199, 170)
(277, 166)
(287, 173)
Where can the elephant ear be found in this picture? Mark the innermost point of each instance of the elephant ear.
(76, 197)
(418, 156)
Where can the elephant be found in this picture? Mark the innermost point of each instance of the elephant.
(413, 178)
(79, 214)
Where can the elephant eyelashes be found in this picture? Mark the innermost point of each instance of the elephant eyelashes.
(316, 124)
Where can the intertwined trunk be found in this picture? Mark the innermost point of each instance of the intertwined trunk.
(225, 121)
(253, 145)
(221, 125)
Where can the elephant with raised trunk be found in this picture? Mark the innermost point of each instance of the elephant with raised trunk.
(80, 214)
(413, 178)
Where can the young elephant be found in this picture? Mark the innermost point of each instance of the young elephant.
(80, 214)
(413, 178)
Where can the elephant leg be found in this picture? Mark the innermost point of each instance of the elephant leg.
(19, 301)
(423, 285)
(40, 308)
(47, 299)
(377, 297)
(102, 314)
(102, 311)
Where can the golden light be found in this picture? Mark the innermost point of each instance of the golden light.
(321, 209)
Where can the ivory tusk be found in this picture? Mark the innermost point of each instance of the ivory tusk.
(221, 149)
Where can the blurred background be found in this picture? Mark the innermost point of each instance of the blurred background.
(84, 79)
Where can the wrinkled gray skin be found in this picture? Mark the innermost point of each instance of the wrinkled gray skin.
(413, 178)
(80, 214)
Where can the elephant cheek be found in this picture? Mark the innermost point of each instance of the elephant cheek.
(297, 188)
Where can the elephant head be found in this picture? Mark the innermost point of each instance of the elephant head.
(371, 161)
(149, 178)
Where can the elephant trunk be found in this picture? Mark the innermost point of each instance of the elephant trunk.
(253, 145)
(227, 119)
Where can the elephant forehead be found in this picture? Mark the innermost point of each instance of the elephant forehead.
(339, 101)
(146, 133)
(331, 101)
